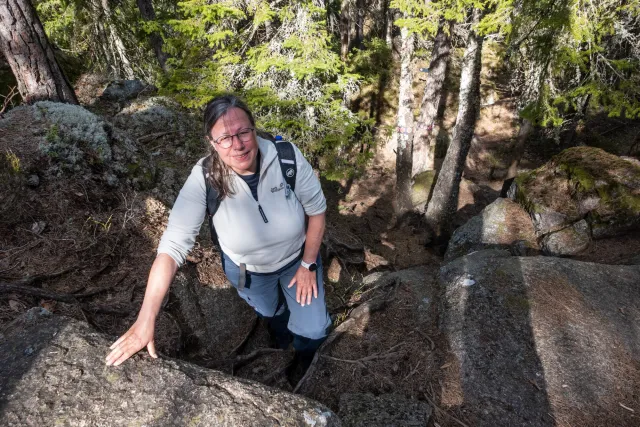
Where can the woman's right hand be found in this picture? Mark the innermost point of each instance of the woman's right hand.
(134, 340)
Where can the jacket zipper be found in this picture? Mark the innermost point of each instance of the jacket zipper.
(264, 217)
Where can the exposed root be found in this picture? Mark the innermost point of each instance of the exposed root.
(365, 308)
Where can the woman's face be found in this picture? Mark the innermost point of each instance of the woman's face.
(241, 155)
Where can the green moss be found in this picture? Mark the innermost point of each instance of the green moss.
(112, 377)
(52, 134)
(517, 303)
(421, 188)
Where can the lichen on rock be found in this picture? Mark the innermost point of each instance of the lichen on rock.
(75, 135)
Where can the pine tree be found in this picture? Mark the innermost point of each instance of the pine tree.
(444, 202)
(30, 56)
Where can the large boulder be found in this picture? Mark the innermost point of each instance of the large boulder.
(501, 225)
(569, 241)
(159, 114)
(52, 139)
(582, 183)
(122, 90)
(52, 372)
(538, 341)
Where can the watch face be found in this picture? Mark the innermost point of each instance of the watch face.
(313, 266)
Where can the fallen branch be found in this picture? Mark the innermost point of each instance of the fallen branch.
(356, 314)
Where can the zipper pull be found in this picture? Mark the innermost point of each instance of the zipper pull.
(264, 217)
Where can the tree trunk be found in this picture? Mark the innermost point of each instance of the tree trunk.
(404, 130)
(358, 40)
(518, 150)
(122, 64)
(424, 140)
(444, 202)
(344, 29)
(149, 14)
(27, 50)
(390, 15)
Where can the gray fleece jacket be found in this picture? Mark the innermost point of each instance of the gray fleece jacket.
(243, 234)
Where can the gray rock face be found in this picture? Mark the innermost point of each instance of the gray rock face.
(535, 340)
(52, 372)
(205, 313)
(387, 410)
(501, 225)
(568, 241)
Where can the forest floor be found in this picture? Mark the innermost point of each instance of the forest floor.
(86, 250)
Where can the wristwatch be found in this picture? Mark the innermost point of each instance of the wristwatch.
(311, 267)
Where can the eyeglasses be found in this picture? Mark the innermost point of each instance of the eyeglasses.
(226, 141)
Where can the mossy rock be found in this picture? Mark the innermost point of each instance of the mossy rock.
(582, 183)
(421, 188)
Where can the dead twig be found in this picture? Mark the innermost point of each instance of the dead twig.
(626, 407)
(413, 371)
(362, 360)
(10, 268)
(8, 99)
(439, 411)
(153, 136)
(432, 345)
(365, 308)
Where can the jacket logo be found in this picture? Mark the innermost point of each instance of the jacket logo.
(281, 187)
(290, 172)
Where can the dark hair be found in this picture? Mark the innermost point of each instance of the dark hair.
(218, 172)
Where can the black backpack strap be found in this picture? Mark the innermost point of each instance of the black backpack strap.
(212, 201)
(287, 158)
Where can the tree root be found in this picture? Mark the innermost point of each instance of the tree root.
(40, 277)
(368, 307)
(22, 287)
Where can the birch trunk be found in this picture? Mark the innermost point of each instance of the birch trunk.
(404, 128)
(424, 139)
(30, 56)
(444, 203)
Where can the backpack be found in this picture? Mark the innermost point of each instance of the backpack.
(287, 158)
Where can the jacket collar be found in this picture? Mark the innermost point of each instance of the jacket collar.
(268, 153)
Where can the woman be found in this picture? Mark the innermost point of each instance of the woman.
(268, 253)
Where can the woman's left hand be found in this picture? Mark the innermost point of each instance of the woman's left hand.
(306, 285)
